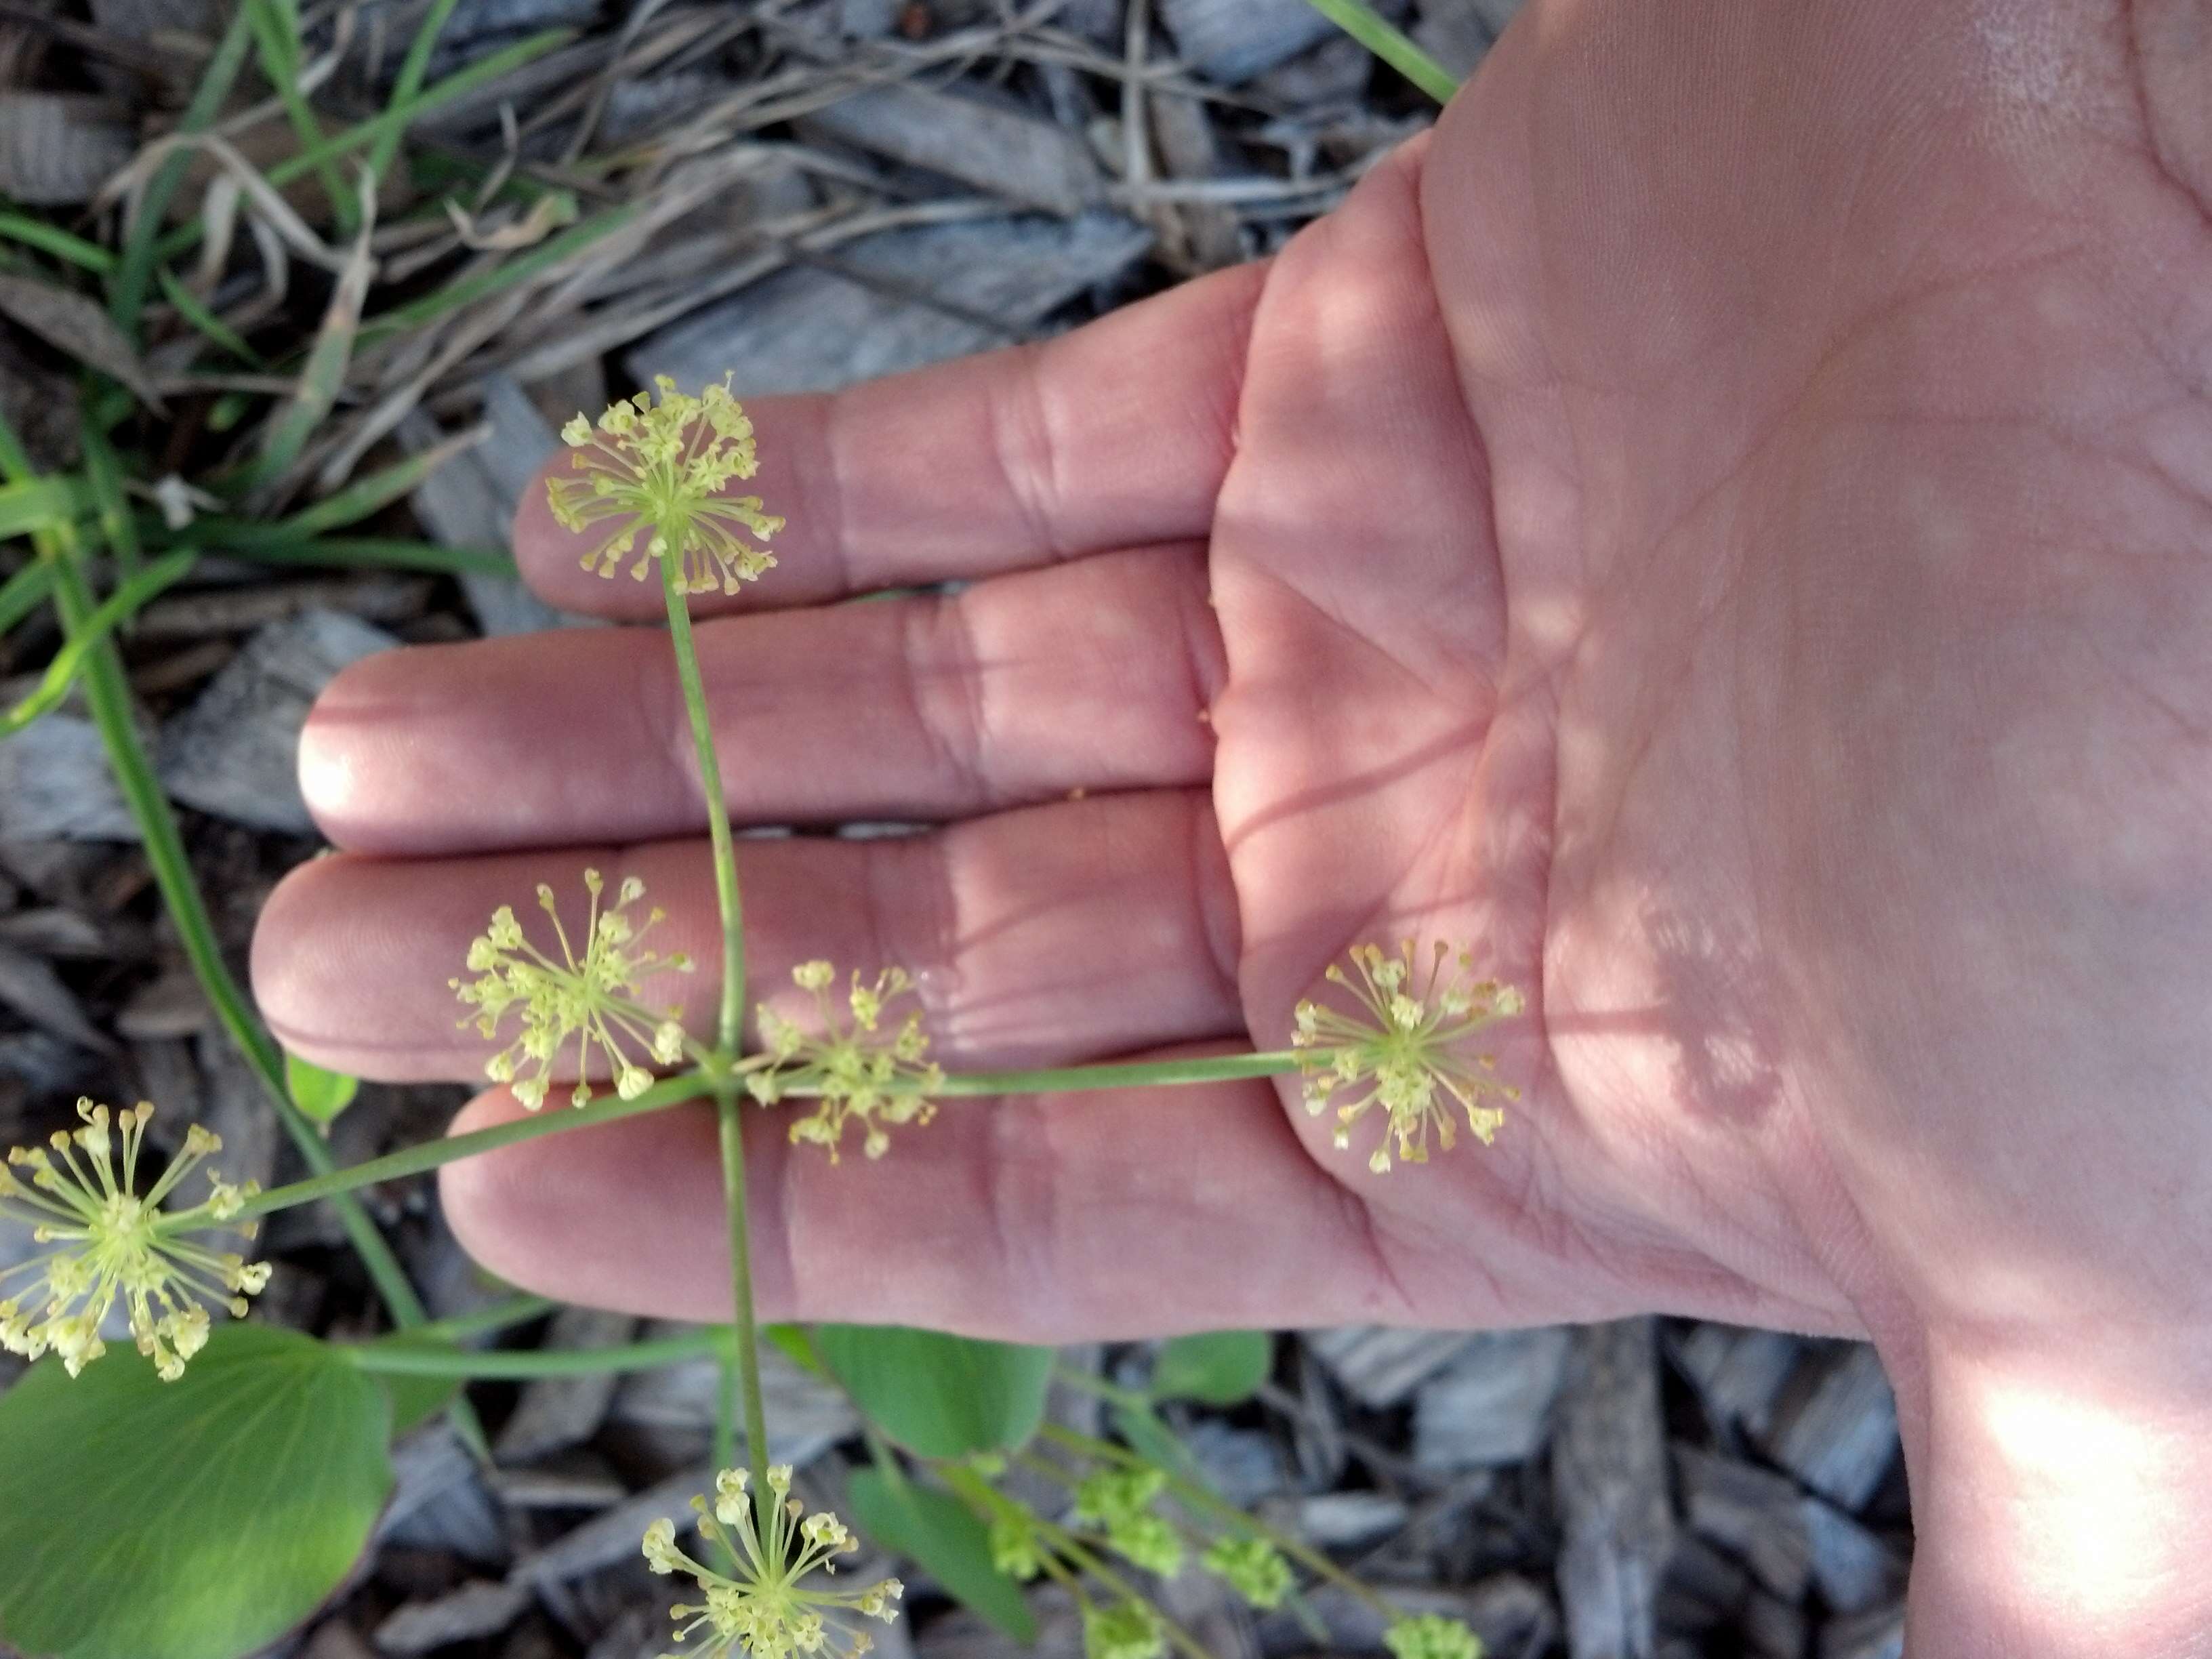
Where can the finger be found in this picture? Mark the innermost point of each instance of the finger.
(1093, 676)
(1046, 1218)
(1114, 436)
(1045, 935)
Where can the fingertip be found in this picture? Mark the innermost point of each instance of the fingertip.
(345, 747)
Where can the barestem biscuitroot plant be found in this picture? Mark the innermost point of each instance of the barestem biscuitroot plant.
(649, 486)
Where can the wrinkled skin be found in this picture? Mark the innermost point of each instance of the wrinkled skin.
(1722, 528)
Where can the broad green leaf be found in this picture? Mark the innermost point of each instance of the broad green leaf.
(199, 1519)
(1221, 1368)
(319, 1094)
(941, 1535)
(1153, 1439)
(938, 1395)
(417, 1399)
(795, 1342)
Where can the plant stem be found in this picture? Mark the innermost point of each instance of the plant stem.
(729, 1026)
(515, 1310)
(1134, 1074)
(407, 1357)
(432, 1154)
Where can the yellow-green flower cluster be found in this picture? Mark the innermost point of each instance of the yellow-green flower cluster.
(1254, 1568)
(108, 1244)
(1431, 1636)
(759, 1607)
(1119, 1501)
(653, 470)
(1401, 1051)
(1017, 1549)
(859, 1072)
(591, 1001)
(1121, 1630)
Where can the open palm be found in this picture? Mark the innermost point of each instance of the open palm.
(1713, 530)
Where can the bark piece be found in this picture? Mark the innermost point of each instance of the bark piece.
(29, 986)
(439, 1501)
(233, 752)
(1456, 33)
(1510, 1614)
(1380, 1367)
(613, 1536)
(1489, 1406)
(557, 1413)
(1755, 1515)
(1609, 1479)
(1835, 1424)
(1854, 1569)
(1773, 1628)
(478, 1608)
(805, 1415)
(1878, 1634)
(810, 329)
(1737, 1372)
(998, 150)
(55, 785)
(1230, 41)
(57, 147)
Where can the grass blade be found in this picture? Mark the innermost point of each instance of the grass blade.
(24, 593)
(119, 608)
(126, 296)
(412, 69)
(33, 504)
(47, 239)
(190, 309)
(1376, 33)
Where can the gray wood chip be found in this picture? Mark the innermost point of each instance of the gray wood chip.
(234, 752)
(1231, 41)
(807, 328)
(1737, 1372)
(557, 1413)
(57, 147)
(1346, 1520)
(1490, 1404)
(619, 1535)
(55, 785)
(1854, 1569)
(805, 1415)
(1381, 1367)
(1835, 1424)
(478, 1608)
(1878, 1634)
(45, 1066)
(998, 150)
(1773, 1629)
(1755, 1515)
(439, 1500)
(1609, 1481)
(1456, 33)
(29, 985)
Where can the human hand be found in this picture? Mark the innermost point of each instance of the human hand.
(1715, 531)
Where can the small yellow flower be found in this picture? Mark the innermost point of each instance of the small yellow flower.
(111, 1243)
(759, 1607)
(1401, 1053)
(860, 1073)
(593, 999)
(653, 470)
(1254, 1568)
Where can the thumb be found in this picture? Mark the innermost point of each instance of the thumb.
(2062, 1503)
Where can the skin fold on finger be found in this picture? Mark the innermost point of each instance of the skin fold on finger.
(1111, 436)
(1093, 676)
(1119, 1214)
(1047, 935)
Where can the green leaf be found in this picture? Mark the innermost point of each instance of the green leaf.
(319, 1094)
(938, 1395)
(1221, 1368)
(199, 1519)
(417, 1399)
(941, 1535)
(1151, 1439)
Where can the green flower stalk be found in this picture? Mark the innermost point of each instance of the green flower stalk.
(591, 1001)
(654, 468)
(109, 1244)
(862, 1073)
(1401, 1051)
(759, 1607)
